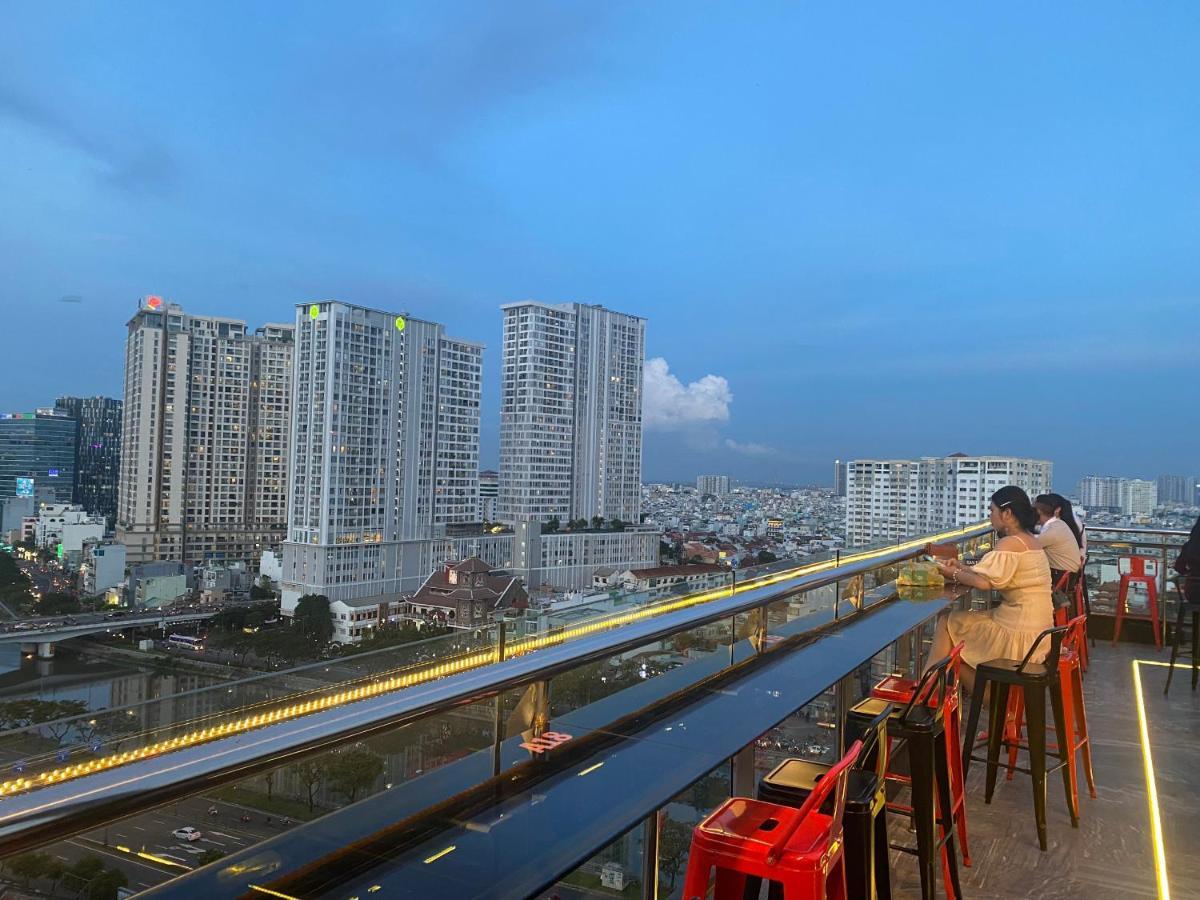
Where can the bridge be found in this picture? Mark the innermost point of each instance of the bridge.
(49, 633)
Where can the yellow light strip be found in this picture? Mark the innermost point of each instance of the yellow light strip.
(162, 860)
(271, 893)
(591, 769)
(1160, 856)
(440, 854)
(398, 679)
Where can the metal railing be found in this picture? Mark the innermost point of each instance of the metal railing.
(91, 791)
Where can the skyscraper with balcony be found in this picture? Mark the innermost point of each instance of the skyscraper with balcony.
(1100, 492)
(570, 413)
(37, 454)
(1139, 497)
(203, 443)
(385, 446)
(887, 500)
(97, 452)
(1177, 489)
(717, 485)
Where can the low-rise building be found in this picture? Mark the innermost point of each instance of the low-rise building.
(103, 567)
(693, 577)
(69, 526)
(156, 584)
(468, 594)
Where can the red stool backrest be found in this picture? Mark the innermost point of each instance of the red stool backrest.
(1076, 635)
(1137, 566)
(833, 781)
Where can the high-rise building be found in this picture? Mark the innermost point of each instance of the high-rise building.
(839, 478)
(385, 446)
(37, 454)
(1177, 489)
(489, 490)
(887, 500)
(717, 485)
(203, 441)
(1100, 492)
(97, 452)
(1138, 496)
(570, 413)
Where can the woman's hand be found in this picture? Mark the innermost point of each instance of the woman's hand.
(949, 568)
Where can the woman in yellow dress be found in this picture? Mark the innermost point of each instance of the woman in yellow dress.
(1019, 570)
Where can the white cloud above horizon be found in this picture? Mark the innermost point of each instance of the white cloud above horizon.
(749, 448)
(668, 403)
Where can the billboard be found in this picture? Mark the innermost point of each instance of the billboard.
(24, 487)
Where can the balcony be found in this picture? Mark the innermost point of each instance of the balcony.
(575, 763)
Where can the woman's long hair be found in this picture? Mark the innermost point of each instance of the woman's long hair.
(1057, 504)
(1017, 502)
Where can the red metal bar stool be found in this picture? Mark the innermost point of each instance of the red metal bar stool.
(1144, 571)
(1071, 584)
(898, 689)
(800, 849)
(1070, 677)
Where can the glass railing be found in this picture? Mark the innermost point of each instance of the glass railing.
(45, 753)
(55, 755)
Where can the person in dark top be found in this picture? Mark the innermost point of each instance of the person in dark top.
(1188, 564)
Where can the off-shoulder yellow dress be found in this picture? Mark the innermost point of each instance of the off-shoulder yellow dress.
(1009, 630)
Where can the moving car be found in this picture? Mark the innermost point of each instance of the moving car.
(187, 833)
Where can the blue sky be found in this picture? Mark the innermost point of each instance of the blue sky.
(866, 230)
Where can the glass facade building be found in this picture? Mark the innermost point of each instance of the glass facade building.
(97, 452)
(38, 446)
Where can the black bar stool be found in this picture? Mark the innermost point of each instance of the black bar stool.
(921, 725)
(864, 822)
(1035, 681)
(1186, 605)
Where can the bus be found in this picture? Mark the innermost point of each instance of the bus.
(186, 641)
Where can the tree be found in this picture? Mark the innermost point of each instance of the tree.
(674, 840)
(313, 619)
(597, 521)
(209, 856)
(29, 866)
(551, 526)
(263, 590)
(107, 885)
(311, 773)
(54, 869)
(86, 868)
(766, 556)
(616, 524)
(58, 604)
(354, 770)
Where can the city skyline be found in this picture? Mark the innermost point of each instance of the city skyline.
(548, 153)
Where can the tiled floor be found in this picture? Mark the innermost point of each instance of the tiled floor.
(1111, 854)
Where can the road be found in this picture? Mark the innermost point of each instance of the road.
(151, 833)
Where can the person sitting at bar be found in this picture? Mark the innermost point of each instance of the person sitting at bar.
(1019, 570)
(1060, 536)
(1188, 565)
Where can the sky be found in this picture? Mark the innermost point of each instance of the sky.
(855, 230)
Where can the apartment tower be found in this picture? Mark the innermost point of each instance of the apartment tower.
(892, 499)
(203, 442)
(385, 446)
(570, 413)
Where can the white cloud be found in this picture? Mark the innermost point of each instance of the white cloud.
(668, 403)
(750, 448)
